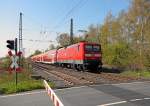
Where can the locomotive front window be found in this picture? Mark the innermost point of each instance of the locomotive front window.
(96, 48)
(92, 48)
(88, 48)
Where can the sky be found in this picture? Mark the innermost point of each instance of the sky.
(46, 19)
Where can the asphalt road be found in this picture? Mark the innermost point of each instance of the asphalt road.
(35, 98)
(125, 94)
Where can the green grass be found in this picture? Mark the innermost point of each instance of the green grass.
(10, 87)
(142, 74)
(25, 83)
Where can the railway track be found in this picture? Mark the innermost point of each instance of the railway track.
(94, 77)
(74, 78)
(68, 79)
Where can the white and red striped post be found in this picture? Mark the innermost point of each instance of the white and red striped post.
(52, 95)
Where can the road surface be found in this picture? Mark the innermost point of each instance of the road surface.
(124, 94)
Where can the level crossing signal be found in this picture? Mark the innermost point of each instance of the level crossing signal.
(11, 44)
(14, 65)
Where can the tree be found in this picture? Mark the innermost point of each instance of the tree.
(139, 18)
(106, 30)
(35, 53)
(125, 38)
(139, 23)
(51, 47)
(92, 34)
(63, 39)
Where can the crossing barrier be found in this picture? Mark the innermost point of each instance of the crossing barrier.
(52, 95)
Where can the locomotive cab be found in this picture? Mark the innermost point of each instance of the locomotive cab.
(92, 56)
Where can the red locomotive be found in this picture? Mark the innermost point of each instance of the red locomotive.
(81, 56)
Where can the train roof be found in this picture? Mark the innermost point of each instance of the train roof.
(83, 42)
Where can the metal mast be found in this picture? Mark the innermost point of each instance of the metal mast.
(20, 33)
(71, 32)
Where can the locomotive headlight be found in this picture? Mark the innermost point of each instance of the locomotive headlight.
(97, 55)
(92, 55)
(88, 55)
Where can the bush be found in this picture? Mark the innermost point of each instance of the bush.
(122, 56)
(5, 62)
(143, 74)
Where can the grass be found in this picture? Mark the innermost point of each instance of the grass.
(25, 83)
(10, 87)
(142, 74)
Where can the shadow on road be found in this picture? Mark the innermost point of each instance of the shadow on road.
(111, 70)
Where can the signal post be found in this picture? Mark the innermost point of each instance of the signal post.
(12, 45)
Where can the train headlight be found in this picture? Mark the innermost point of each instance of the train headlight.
(88, 55)
(97, 55)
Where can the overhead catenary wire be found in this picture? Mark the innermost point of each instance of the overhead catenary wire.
(80, 3)
(62, 21)
(66, 16)
(41, 31)
(32, 40)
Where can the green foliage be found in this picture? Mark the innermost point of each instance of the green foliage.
(36, 53)
(63, 39)
(119, 55)
(5, 62)
(122, 52)
(125, 38)
(143, 74)
(51, 47)
(25, 83)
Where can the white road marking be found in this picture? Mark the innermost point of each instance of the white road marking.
(136, 82)
(135, 100)
(113, 103)
(21, 94)
(120, 102)
(146, 98)
(108, 104)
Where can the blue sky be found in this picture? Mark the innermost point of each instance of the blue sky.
(50, 16)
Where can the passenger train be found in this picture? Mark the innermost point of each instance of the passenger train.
(82, 56)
